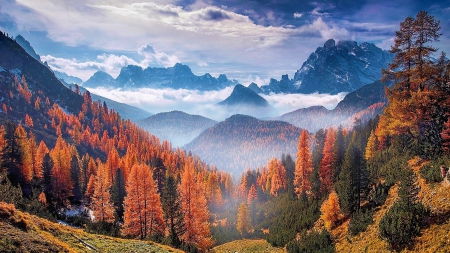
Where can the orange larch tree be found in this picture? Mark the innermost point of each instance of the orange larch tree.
(326, 165)
(62, 184)
(101, 203)
(252, 195)
(196, 212)
(303, 165)
(26, 167)
(331, 212)
(143, 214)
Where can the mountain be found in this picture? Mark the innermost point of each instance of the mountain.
(27, 46)
(242, 142)
(66, 78)
(254, 87)
(336, 67)
(177, 77)
(243, 100)
(364, 104)
(177, 127)
(100, 79)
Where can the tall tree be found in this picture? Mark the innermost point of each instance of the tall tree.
(61, 181)
(371, 147)
(143, 212)
(243, 223)
(196, 212)
(12, 155)
(118, 193)
(101, 203)
(173, 213)
(326, 165)
(303, 165)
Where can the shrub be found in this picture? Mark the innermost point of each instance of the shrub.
(312, 242)
(359, 221)
(431, 173)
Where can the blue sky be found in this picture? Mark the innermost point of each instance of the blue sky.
(246, 40)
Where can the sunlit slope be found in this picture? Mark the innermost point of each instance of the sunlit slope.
(22, 232)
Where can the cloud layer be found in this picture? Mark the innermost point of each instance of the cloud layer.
(202, 103)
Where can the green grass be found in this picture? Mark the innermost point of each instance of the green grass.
(247, 246)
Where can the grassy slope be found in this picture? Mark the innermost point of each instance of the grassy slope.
(22, 232)
(247, 246)
(434, 238)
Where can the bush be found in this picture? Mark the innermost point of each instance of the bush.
(401, 224)
(431, 173)
(359, 221)
(312, 242)
(379, 195)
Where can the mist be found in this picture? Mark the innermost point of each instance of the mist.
(204, 102)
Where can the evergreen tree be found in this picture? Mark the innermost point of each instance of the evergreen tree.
(118, 193)
(12, 155)
(173, 214)
(243, 223)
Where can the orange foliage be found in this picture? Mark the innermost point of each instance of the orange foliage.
(62, 184)
(331, 212)
(303, 165)
(143, 212)
(326, 165)
(102, 206)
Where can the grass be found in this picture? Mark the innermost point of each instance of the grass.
(247, 246)
(22, 232)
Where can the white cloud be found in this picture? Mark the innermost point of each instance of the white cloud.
(285, 103)
(298, 15)
(110, 63)
(153, 56)
(386, 44)
(202, 103)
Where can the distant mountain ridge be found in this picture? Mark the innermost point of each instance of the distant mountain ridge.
(177, 77)
(244, 100)
(177, 127)
(336, 67)
(364, 104)
(241, 142)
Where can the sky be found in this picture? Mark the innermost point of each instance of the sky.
(250, 41)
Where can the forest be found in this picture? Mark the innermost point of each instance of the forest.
(125, 182)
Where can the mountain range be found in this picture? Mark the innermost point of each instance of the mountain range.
(177, 77)
(338, 67)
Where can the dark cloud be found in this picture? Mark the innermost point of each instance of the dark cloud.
(215, 15)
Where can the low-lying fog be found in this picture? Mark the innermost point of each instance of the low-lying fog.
(202, 103)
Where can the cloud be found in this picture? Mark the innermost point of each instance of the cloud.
(386, 44)
(153, 56)
(202, 103)
(298, 15)
(110, 63)
(285, 103)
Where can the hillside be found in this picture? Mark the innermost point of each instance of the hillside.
(22, 232)
(433, 238)
(177, 127)
(364, 103)
(247, 246)
(242, 142)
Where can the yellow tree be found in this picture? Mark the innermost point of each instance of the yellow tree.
(22, 140)
(331, 212)
(371, 147)
(243, 222)
(303, 165)
(326, 165)
(101, 203)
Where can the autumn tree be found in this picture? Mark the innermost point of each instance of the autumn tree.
(252, 195)
(143, 212)
(173, 213)
(371, 147)
(61, 181)
(243, 222)
(26, 166)
(303, 165)
(196, 212)
(326, 165)
(101, 203)
(331, 212)
(418, 100)
(277, 175)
